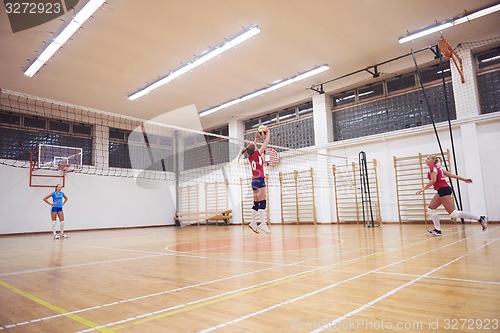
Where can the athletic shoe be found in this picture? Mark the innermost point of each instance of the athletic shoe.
(56, 236)
(253, 227)
(435, 232)
(483, 220)
(64, 236)
(264, 227)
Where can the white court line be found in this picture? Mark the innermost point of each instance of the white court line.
(262, 284)
(260, 241)
(78, 265)
(395, 290)
(326, 288)
(172, 290)
(442, 278)
(228, 293)
(208, 282)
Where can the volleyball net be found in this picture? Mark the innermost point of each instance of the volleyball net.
(121, 146)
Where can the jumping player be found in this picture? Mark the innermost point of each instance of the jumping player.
(443, 196)
(57, 209)
(256, 159)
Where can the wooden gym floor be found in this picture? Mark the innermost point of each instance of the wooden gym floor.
(307, 278)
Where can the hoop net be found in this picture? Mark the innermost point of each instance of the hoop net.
(63, 167)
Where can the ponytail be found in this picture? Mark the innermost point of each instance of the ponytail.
(250, 149)
(244, 150)
(436, 159)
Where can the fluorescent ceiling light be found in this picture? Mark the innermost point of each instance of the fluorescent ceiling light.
(425, 32)
(449, 23)
(273, 87)
(248, 33)
(80, 18)
(479, 13)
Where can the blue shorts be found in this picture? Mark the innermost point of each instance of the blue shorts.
(56, 209)
(258, 183)
(444, 191)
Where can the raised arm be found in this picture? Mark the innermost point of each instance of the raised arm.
(266, 142)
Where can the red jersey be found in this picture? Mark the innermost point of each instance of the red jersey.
(440, 181)
(257, 164)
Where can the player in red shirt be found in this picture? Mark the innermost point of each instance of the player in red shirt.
(256, 159)
(443, 196)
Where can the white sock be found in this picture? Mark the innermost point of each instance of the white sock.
(54, 227)
(467, 215)
(62, 227)
(435, 220)
(262, 216)
(254, 217)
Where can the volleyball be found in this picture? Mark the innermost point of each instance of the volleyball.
(262, 130)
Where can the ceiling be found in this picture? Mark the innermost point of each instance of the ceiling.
(129, 43)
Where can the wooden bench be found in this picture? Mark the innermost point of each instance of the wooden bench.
(215, 215)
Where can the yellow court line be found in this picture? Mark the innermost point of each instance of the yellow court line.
(244, 292)
(55, 308)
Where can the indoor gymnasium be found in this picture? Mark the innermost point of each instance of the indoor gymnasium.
(264, 166)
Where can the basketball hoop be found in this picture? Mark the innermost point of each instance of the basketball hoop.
(448, 52)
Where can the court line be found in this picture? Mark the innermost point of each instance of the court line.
(442, 278)
(231, 294)
(260, 241)
(395, 290)
(221, 297)
(79, 265)
(203, 283)
(52, 307)
(325, 288)
(168, 291)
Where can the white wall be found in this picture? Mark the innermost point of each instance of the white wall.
(383, 147)
(94, 202)
(112, 202)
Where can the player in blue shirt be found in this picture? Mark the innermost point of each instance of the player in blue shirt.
(59, 199)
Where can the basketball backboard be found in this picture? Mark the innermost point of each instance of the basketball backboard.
(55, 157)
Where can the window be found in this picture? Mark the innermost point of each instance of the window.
(59, 126)
(20, 134)
(287, 114)
(371, 91)
(118, 134)
(344, 98)
(305, 109)
(252, 124)
(35, 122)
(401, 82)
(488, 80)
(292, 127)
(436, 72)
(392, 113)
(166, 141)
(9, 118)
(82, 129)
(489, 58)
(269, 119)
(224, 131)
(130, 150)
